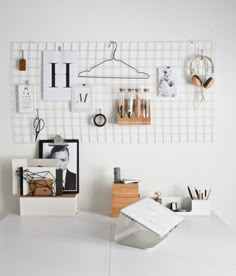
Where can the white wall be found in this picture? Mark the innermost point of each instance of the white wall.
(165, 167)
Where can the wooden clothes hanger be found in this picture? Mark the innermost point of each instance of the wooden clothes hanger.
(140, 75)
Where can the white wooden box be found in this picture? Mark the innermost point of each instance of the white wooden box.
(64, 205)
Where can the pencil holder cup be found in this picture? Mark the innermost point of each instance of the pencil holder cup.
(186, 206)
(200, 207)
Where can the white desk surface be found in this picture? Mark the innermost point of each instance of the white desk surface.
(84, 245)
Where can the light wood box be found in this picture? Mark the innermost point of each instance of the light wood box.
(123, 195)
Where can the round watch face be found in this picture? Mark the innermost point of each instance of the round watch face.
(99, 120)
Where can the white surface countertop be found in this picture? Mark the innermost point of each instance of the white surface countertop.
(84, 245)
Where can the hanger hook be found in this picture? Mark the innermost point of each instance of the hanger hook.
(114, 48)
(201, 53)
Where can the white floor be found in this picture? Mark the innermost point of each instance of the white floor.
(84, 245)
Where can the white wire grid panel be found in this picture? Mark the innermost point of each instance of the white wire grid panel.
(173, 119)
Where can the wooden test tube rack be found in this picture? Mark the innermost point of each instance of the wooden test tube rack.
(134, 120)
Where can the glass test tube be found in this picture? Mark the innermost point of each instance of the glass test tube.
(130, 102)
(122, 103)
(147, 103)
(138, 102)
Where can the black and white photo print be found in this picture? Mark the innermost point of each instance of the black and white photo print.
(167, 79)
(68, 156)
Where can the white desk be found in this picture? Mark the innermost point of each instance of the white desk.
(83, 246)
(55, 246)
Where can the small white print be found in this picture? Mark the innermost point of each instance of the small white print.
(167, 82)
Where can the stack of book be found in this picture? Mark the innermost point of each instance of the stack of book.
(129, 181)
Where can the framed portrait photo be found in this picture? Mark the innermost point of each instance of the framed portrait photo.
(68, 157)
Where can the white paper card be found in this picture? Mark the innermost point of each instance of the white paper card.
(25, 98)
(59, 74)
(16, 164)
(82, 100)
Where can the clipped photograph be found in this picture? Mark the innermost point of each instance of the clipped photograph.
(68, 157)
(167, 81)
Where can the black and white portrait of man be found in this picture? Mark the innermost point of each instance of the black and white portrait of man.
(67, 156)
(167, 82)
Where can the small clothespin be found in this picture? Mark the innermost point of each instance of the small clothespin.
(22, 62)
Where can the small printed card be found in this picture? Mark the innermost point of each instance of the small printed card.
(167, 81)
(26, 98)
(81, 100)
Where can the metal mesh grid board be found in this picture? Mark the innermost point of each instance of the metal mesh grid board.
(173, 119)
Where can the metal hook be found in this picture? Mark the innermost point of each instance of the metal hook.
(114, 44)
(201, 53)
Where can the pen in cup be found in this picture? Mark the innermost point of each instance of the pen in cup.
(200, 194)
(209, 193)
(190, 193)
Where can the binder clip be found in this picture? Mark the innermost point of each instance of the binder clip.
(58, 141)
